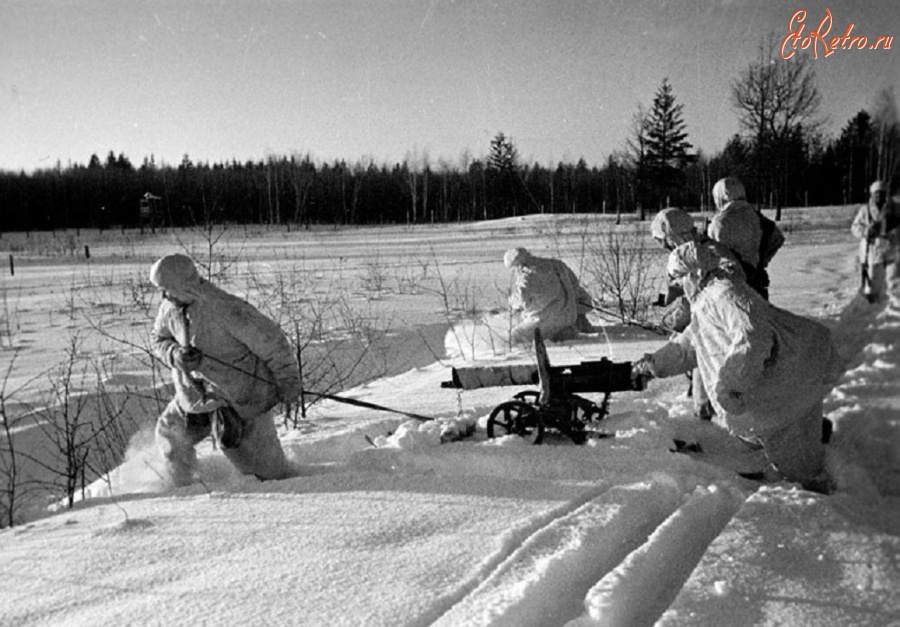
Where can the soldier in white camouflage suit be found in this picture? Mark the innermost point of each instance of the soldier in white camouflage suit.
(673, 227)
(767, 370)
(547, 295)
(752, 237)
(230, 365)
(877, 225)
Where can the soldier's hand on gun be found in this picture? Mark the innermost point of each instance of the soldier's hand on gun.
(873, 231)
(642, 371)
(187, 358)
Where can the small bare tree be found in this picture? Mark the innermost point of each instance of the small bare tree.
(83, 444)
(214, 257)
(620, 269)
(775, 99)
(337, 345)
(10, 325)
(15, 485)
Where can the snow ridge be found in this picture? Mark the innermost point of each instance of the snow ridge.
(609, 555)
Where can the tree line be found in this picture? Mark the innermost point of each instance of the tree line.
(781, 154)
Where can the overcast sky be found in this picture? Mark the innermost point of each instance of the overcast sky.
(385, 79)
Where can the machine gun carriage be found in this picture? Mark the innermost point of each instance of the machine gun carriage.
(556, 405)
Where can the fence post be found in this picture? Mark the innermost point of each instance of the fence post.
(12, 266)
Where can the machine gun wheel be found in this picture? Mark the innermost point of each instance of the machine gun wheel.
(516, 418)
(527, 396)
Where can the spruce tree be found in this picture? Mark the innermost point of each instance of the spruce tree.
(503, 156)
(667, 148)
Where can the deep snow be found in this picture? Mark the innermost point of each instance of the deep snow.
(620, 531)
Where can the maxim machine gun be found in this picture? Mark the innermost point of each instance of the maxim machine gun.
(555, 405)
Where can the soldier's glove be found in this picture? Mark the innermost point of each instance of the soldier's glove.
(642, 372)
(677, 315)
(187, 359)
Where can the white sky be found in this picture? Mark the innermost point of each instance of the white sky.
(355, 78)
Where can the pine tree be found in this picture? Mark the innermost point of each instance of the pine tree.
(503, 156)
(667, 148)
(503, 172)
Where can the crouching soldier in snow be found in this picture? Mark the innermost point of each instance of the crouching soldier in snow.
(673, 227)
(548, 296)
(766, 370)
(230, 365)
(752, 237)
(877, 225)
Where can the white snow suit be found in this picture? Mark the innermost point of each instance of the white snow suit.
(248, 365)
(738, 226)
(549, 296)
(677, 227)
(766, 370)
(879, 253)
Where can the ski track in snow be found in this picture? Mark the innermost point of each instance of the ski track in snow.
(604, 555)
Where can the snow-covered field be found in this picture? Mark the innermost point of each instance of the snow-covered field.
(620, 531)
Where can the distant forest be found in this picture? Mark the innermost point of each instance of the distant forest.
(781, 156)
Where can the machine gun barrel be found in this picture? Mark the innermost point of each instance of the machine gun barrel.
(556, 406)
(590, 376)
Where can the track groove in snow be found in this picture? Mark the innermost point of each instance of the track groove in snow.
(510, 543)
(789, 557)
(641, 588)
(546, 580)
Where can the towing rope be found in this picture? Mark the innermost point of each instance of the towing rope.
(331, 397)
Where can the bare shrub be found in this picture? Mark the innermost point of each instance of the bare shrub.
(337, 344)
(375, 275)
(10, 323)
(138, 292)
(462, 299)
(85, 427)
(209, 243)
(113, 424)
(621, 270)
(15, 484)
(63, 423)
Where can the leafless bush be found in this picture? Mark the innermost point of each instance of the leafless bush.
(412, 273)
(459, 295)
(375, 275)
(138, 292)
(338, 345)
(10, 324)
(215, 254)
(461, 299)
(70, 300)
(621, 271)
(85, 427)
(15, 485)
(63, 423)
(113, 426)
